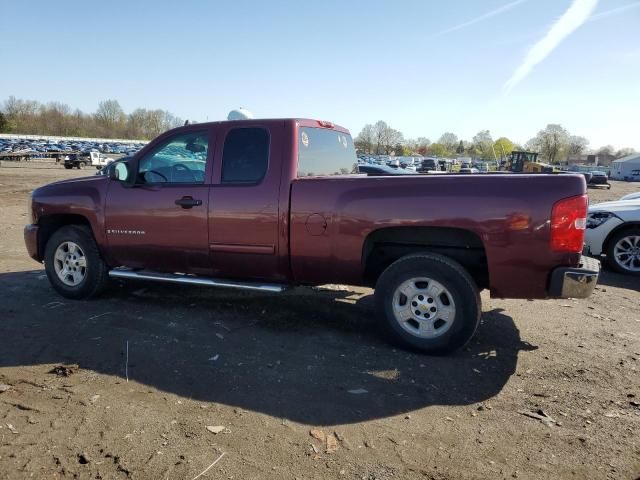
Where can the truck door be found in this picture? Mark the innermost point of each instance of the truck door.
(159, 221)
(243, 200)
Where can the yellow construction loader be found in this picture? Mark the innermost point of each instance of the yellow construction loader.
(527, 162)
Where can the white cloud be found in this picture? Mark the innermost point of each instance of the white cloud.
(576, 15)
(613, 11)
(482, 17)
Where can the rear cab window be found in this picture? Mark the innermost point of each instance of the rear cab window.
(325, 152)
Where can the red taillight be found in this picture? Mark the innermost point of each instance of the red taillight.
(324, 123)
(568, 221)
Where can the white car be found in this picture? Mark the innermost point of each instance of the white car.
(613, 230)
(631, 196)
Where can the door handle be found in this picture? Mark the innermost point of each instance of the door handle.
(188, 202)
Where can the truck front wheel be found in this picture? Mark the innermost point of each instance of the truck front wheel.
(81, 165)
(73, 263)
(428, 302)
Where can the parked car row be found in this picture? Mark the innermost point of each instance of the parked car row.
(403, 165)
(10, 145)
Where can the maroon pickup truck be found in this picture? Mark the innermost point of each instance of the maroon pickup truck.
(265, 204)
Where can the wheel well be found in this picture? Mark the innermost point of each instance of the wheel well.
(385, 246)
(618, 229)
(49, 224)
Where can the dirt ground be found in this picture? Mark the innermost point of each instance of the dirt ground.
(300, 384)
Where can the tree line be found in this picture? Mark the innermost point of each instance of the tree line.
(59, 119)
(554, 144)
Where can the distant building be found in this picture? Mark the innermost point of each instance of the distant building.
(601, 159)
(626, 168)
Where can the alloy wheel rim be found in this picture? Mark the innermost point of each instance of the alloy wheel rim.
(70, 264)
(627, 253)
(424, 307)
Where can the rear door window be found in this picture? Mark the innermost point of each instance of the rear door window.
(245, 155)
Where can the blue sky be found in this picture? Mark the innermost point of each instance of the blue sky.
(350, 62)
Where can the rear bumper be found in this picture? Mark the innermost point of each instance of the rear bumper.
(575, 282)
(31, 241)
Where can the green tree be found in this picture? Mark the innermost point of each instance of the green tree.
(503, 147)
(401, 150)
(460, 149)
(437, 150)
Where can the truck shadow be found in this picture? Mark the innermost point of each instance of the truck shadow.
(614, 279)
(311, 355)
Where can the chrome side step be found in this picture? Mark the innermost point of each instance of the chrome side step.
(192, 280)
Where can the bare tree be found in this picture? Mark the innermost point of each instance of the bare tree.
(422, 145)
(576, 145)
(386, 138)
(606, 150)
(551, 143)
(393, 141)
(379, 134)
(449, 140)
(364, 140)
(55, 118)
(483, 144)
(623, 152)
(111, 116)
(5, 126)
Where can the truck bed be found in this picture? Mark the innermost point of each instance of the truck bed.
(332, 217)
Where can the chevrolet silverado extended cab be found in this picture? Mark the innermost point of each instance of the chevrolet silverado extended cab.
(264, 204)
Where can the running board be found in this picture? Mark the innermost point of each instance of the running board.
(192, 280)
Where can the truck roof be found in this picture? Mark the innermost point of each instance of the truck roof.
(303, 122)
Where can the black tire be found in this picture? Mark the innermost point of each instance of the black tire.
(81, 165)
(611, 244)
(68, 167)
(459, 285)
(96, 276)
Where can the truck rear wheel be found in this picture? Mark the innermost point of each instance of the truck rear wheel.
(68, 167)
(73, 263)
(428, 302)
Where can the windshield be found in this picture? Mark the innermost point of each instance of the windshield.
(323, 152)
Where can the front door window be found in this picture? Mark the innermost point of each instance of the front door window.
(181, 159)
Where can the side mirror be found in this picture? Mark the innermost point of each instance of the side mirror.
(119, 171)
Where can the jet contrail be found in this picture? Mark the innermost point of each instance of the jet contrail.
(613, 11)
(483, 17)
(574, 17)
